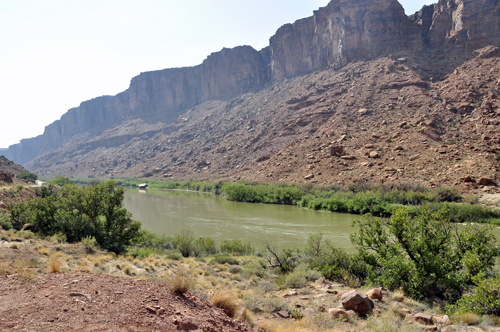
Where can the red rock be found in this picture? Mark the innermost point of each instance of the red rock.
(374, 154)
(5, 177)
(336, 313)
(3, 205)
(357, 302)
(283, 314)
(375, 294)
(485, 181)
(423, 318)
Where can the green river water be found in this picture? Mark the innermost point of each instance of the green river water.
(169, 212)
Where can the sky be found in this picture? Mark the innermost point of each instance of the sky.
(55, 54)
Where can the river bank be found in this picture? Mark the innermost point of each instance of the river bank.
(378, 200)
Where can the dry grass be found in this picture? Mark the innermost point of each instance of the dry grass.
(127, 269)
(84, 265)
(23, 270)
(180, 281)
(43, 251)
(292, 326)
(55, 261)
(14, 246)
(389, 322)
(227, 302)
(467, 319)
(398, 296)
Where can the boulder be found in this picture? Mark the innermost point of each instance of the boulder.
(337, 151)
(357, 302)
(467, 179)
(5, 177)
(485, 181)
(336, 313)
(309, 176)
(3, 205)
(444, 321)
(375, 294)
(374, 154)
(423, 318)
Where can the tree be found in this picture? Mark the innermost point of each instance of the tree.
(27, 176)
(424, 254)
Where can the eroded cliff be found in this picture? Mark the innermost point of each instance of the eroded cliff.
(340, 33)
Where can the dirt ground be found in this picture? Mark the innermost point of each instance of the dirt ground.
(80, 301)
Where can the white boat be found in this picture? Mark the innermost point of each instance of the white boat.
(142, 186)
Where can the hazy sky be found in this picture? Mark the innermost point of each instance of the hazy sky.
(57, 53)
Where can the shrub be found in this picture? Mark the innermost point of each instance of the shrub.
(80, 212)
(484, 300)
(184, 241)
(90, 243)
(180, 281)
(299, 277)
(55, 261)
(224, 259)
(62, 181)
(27, 176)
(284, 259)
(236, 247)
(227, 302)
(424, 254)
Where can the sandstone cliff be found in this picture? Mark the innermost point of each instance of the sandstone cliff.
(343, 32)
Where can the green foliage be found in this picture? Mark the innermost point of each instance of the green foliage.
(27, 176)
(236, 247)
(90, 243)
(224, 259)
(80, 212)
(284, 259)
(484, 300)
(334, 263)
(184, 242)
(62, 181)
(299, 277)
(5, 221)
(424, 254)
(262, 193)
(148, 239)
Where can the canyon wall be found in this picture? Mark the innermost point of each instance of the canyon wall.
(341, 32)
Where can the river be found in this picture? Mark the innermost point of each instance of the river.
(169, 212)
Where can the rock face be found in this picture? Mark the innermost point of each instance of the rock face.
(154, 96)
(469, 23)
(339, 33)
(336, 35)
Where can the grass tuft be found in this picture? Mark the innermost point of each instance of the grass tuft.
(227, 302)
(180, 281)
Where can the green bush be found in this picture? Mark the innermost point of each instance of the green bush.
(484, 300)
(185, 242)
(334, 263)
(27, 176)
(424, 254)
(224, 259)
(299, 277)
(236, 247)
(80, 212)
(90, 243)
(62, 181)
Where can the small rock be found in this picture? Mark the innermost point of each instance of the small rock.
(444, 321)
(375, 294)
(374, 154)
(432, 328)
(423, 318)
(336, 313)
(309, 176)
(283, 314)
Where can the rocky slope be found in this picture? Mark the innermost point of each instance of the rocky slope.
(418, 93)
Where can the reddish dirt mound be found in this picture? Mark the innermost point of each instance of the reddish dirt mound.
(99, 302)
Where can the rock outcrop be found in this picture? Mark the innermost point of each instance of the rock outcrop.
(339, 33)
